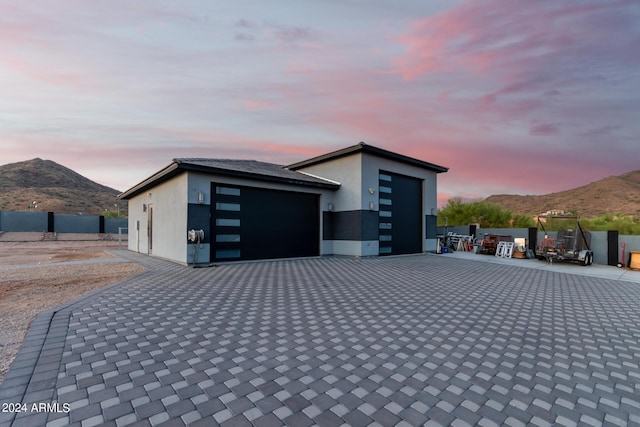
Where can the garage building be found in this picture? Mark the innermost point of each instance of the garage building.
(358, 201)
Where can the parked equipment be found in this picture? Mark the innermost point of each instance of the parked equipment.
(571, 243)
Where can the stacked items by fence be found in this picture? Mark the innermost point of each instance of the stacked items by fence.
(606, 245)
(505, 249)
(455, 242)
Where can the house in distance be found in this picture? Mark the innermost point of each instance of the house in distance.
(357, 201)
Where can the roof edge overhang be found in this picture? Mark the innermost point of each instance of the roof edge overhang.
(369, 149)
(177, 167)
(163, 175)
(242, 174)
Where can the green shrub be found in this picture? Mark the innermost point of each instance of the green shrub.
(488, 215)
(625, 224)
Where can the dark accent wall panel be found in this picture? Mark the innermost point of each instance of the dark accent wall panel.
(430, 226)
(327, 225)
(358, 225)
(198, 218)
(370, 224)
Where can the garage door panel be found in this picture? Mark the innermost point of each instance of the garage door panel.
(270, 223)
(400, 214)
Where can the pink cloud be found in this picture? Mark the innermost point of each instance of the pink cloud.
(250, 31)
(223, 144)
(301, 67)
(544, 129)
(443, 198)
(258, 104)
(524, 46)
(525, 168)
(38, 71)
(49, 62)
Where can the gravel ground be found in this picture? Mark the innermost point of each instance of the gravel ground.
(28, 290)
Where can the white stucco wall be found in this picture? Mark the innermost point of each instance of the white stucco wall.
(169, 232)
(346, 171)
(356, 248)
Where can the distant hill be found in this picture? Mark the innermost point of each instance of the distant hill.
(615, 194)
(54, 188)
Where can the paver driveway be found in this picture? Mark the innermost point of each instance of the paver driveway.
(407, 340)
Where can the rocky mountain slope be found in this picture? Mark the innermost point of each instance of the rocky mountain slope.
(54, 188)
(614, 194)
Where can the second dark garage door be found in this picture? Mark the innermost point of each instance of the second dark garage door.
(256, 223)
(400, 214)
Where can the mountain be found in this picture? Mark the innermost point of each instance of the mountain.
(615, 194)
(54, 188)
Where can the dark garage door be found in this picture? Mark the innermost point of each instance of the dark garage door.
(256, 223)
(400, 202)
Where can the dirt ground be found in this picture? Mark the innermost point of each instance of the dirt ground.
(39, 283)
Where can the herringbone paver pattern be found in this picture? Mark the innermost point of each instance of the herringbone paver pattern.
(416, 340)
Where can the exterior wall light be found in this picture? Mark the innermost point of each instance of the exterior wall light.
(330, 207)
(200, 197)
(371, 205)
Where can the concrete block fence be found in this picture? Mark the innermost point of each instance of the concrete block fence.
(51, 222)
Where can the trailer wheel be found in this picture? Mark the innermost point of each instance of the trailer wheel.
(588, 259)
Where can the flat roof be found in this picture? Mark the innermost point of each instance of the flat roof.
(369, 149)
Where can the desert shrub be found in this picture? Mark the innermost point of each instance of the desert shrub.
(488, 215)
(625, 224)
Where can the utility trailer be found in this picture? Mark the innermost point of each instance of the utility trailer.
(572, 243)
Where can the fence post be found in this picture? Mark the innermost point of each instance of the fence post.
(472, 230)
(50, 222)
(533, 238)
(612, 247)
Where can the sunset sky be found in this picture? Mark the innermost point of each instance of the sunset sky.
(515, 97)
